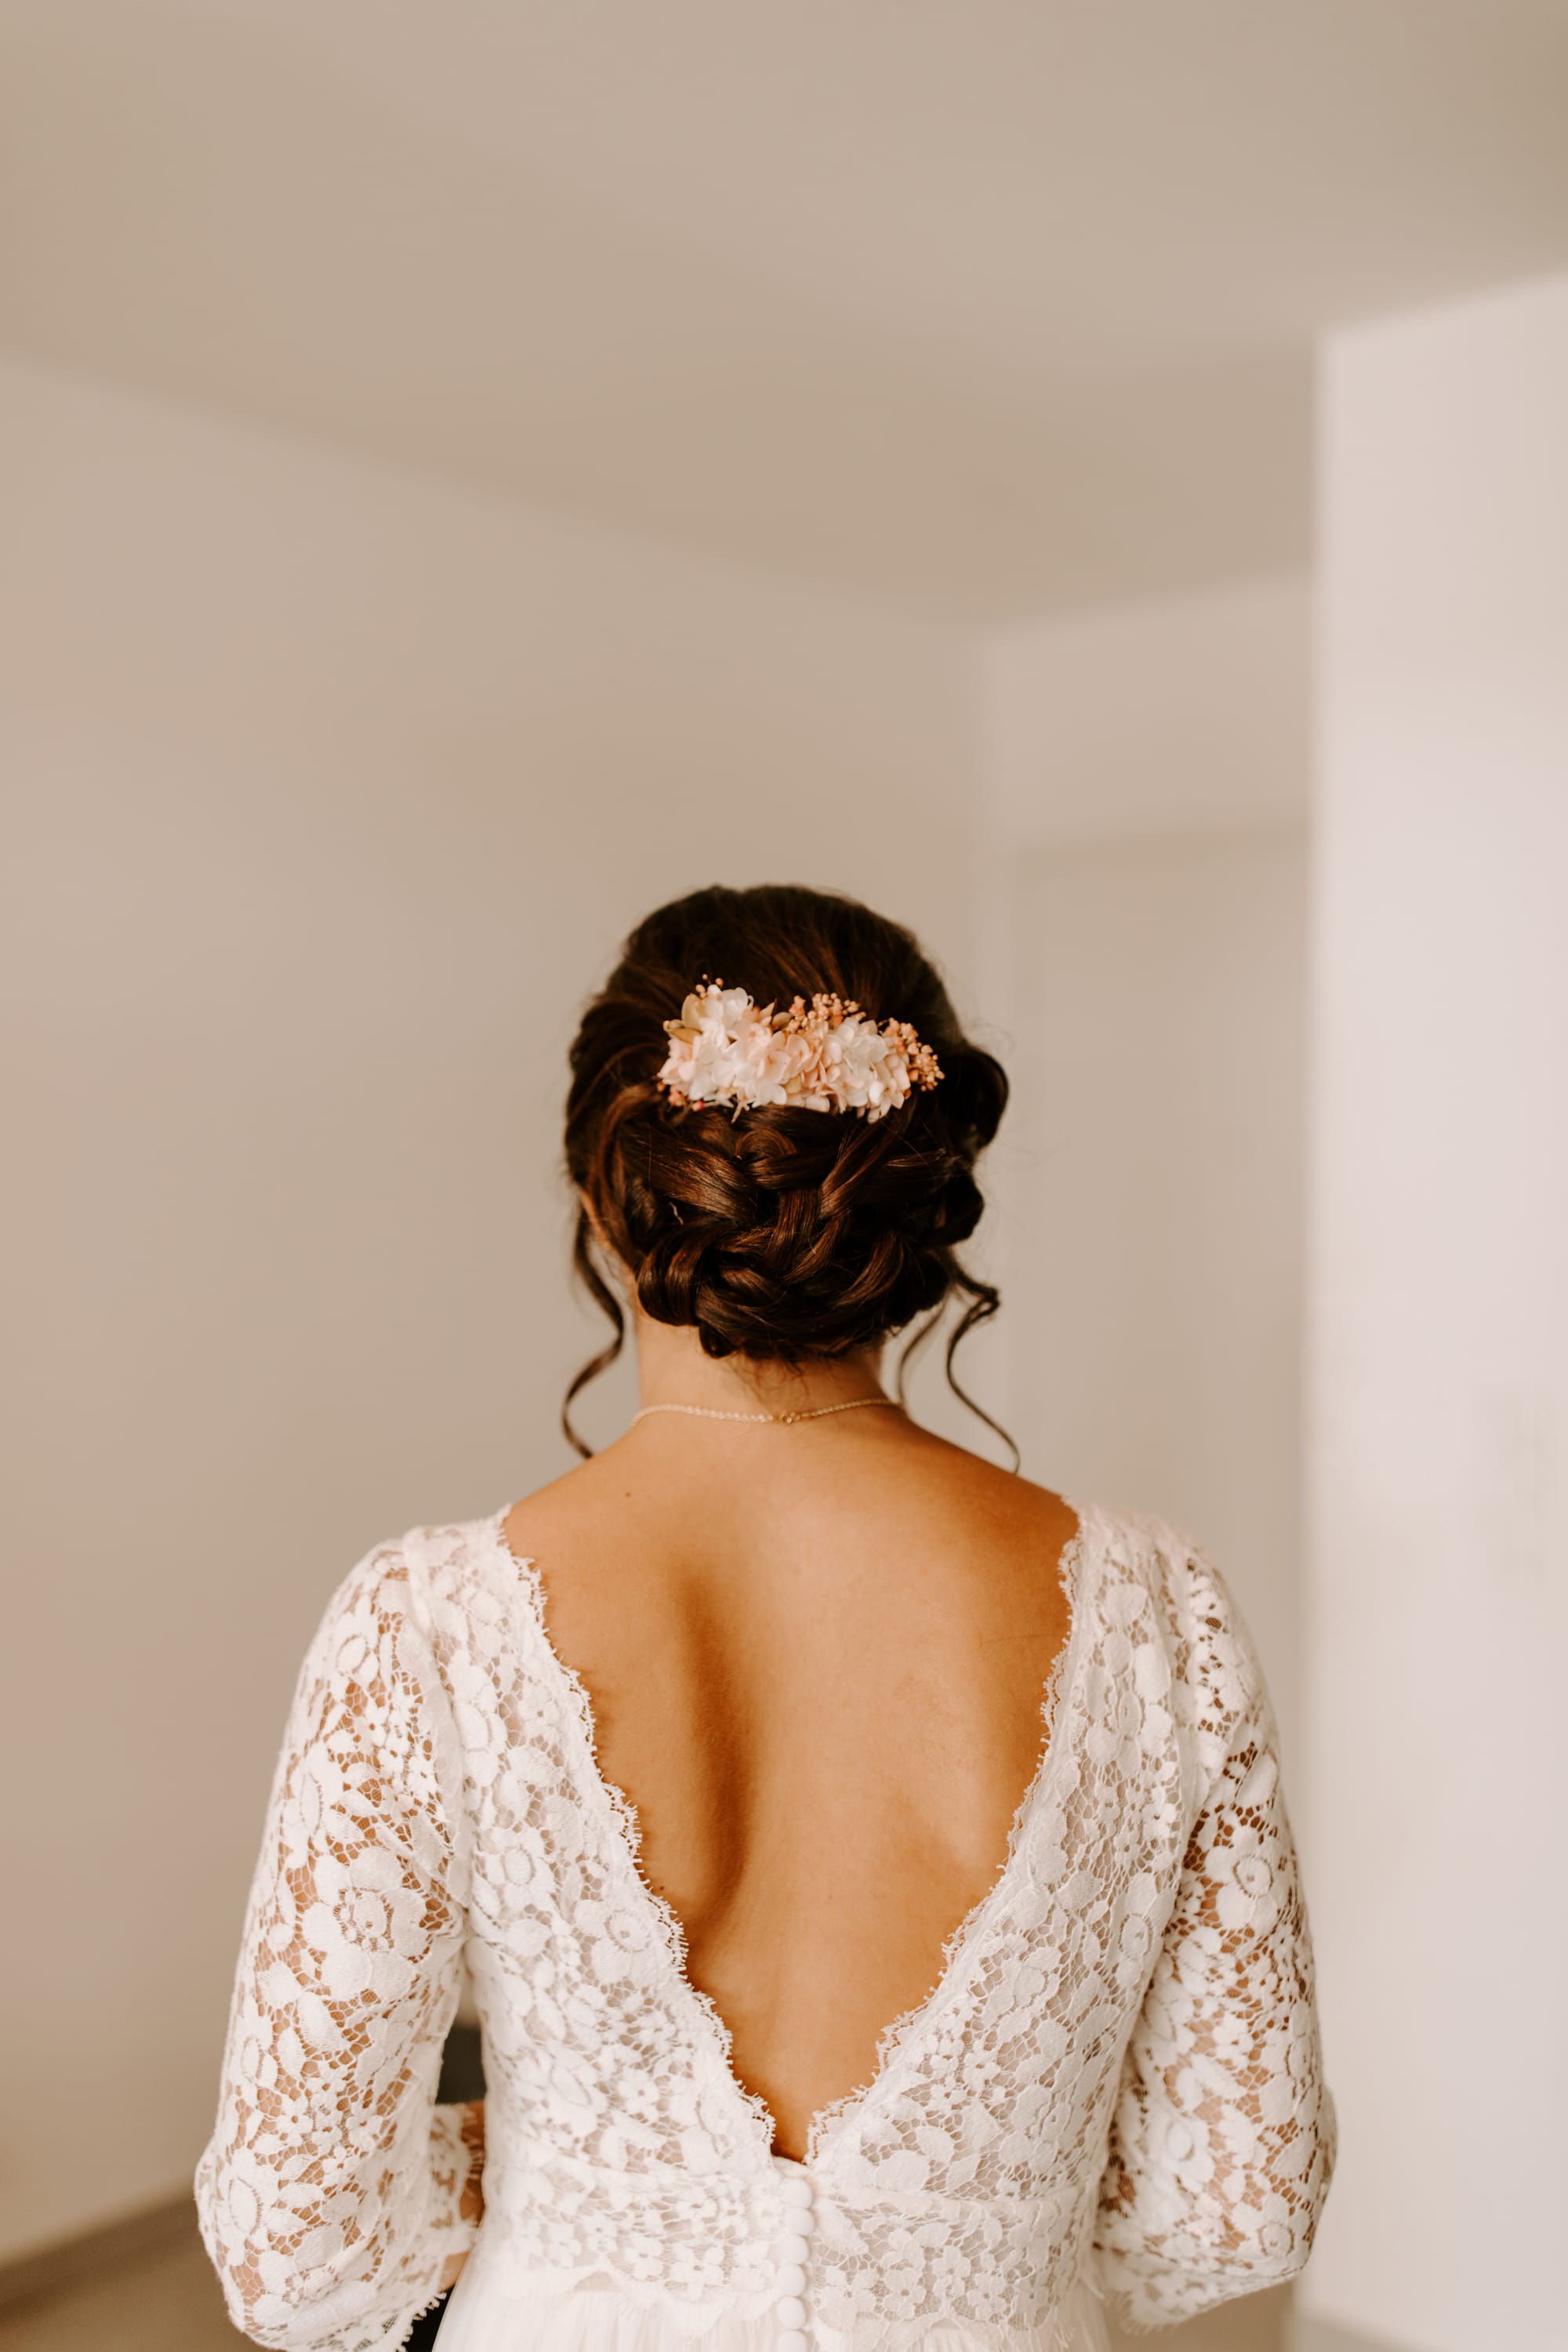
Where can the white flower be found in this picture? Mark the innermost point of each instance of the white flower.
(865, 1070)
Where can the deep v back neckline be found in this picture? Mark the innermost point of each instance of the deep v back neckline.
(623, 1835)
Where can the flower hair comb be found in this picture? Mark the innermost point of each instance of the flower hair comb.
(825, 1056)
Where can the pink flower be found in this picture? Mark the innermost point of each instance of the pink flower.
(828, 1055)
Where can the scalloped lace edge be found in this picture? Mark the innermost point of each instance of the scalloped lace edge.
(625, 1814)
(414, 2319)
(894, 2035)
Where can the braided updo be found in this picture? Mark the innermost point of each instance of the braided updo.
(786, 1235)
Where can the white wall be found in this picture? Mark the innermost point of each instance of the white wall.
(1144, 947)
(329, 794)
(1439, 1598)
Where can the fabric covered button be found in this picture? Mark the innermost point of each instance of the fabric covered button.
(791, 2311)
(791, 2340)
(793, 2248)
(791, 2279)
(796, 2191)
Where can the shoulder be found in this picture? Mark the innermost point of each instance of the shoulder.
(1170, 1563)
(374, 1598)
(948, 1489)
(418, 1637)
(413, 1591)
(591, 1494)
(1137, 1559)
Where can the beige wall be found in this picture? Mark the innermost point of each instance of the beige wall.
(1176, 714)
(329, 793)
(1439, 1489)
(332, 791)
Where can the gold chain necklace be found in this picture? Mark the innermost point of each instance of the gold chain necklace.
(812, 1412)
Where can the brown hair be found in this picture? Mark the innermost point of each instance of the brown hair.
(787, 1234)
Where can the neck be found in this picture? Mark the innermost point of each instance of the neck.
(673, 1370)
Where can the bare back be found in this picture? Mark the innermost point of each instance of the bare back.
(816, 1658)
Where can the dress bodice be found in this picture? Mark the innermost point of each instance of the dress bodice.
(1114, 2081)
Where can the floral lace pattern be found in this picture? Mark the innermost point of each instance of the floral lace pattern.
(1116, 2077)
(328, 2193)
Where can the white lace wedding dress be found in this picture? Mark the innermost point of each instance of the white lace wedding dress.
(1113, 2092)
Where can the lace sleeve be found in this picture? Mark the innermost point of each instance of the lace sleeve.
(330, 2193)
(1223, 2137)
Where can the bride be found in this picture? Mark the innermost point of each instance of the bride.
(871, 1868)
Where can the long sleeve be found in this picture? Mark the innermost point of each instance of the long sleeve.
(328, 2195)
(1223, 2137)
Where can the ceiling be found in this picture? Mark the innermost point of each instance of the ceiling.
(986, 306)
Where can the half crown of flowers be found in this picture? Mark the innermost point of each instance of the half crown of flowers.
(825, 1056)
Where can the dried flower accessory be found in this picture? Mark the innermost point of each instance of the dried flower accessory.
(825, 1056)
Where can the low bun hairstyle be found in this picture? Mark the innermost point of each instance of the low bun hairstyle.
(784, 1235)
